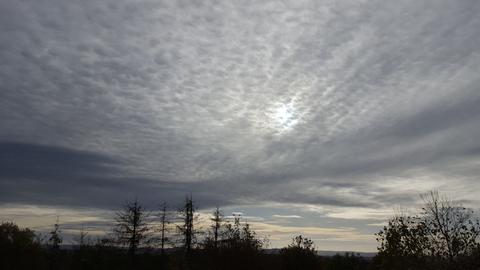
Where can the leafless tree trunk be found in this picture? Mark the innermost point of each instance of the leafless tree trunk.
(164, 221)
(217, 223)
(187, 215)
(454, 225)
(131, 227)
(452, 222)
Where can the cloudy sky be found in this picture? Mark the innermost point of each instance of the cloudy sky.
(312, 117)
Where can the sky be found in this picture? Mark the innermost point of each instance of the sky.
(312, 117)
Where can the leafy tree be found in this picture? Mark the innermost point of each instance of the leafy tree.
(19, 248)
(238, 247)
(250, 239)
(300, 254)
(349, 261)
(241, 237)
(404, 242)
(302, 243)
(14, 237)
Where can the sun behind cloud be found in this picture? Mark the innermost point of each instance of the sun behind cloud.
(283, 117)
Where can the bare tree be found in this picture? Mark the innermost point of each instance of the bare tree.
(217, 220)
(164, 222)
(54, 241)
(131, 227)
(55, 238)
(452, 228)
(186, 229)
(215, 233)
(82, 239)
(441, 235)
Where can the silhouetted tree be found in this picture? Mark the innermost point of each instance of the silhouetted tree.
(19, 248)
(55, 238)
(187, 228)
(441, 236)
(249, 238)
(54, 241)
(164, 222)
(132, 228)
(241, 236)
(216, 230)
(451, 227)
(302, 243)
(82, 238)
(239, 244)
(300, 254)
(349, 261)
(404, 243)
(217, 220)
(80, 255)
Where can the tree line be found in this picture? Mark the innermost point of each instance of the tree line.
(442, 235)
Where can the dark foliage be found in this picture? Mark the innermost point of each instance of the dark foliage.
(19, 248)
(300, 254)
(349, 261)
(443, 236)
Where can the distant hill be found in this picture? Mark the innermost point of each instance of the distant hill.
(326, 253)
(333, 253)
(329, 253)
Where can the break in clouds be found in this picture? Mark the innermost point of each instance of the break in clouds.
(336, 110)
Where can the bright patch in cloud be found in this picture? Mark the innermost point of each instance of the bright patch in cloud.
(284, 117)
(286, 216)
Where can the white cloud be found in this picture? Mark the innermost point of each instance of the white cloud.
(286, 216)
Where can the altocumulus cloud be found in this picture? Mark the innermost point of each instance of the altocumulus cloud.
(337, 108)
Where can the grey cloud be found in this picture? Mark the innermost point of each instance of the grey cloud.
(164, 98)
(39, 174)
(21, 160)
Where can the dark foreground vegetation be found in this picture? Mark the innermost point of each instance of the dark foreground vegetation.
(443, 235)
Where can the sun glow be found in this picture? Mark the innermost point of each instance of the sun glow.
(284, 116)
